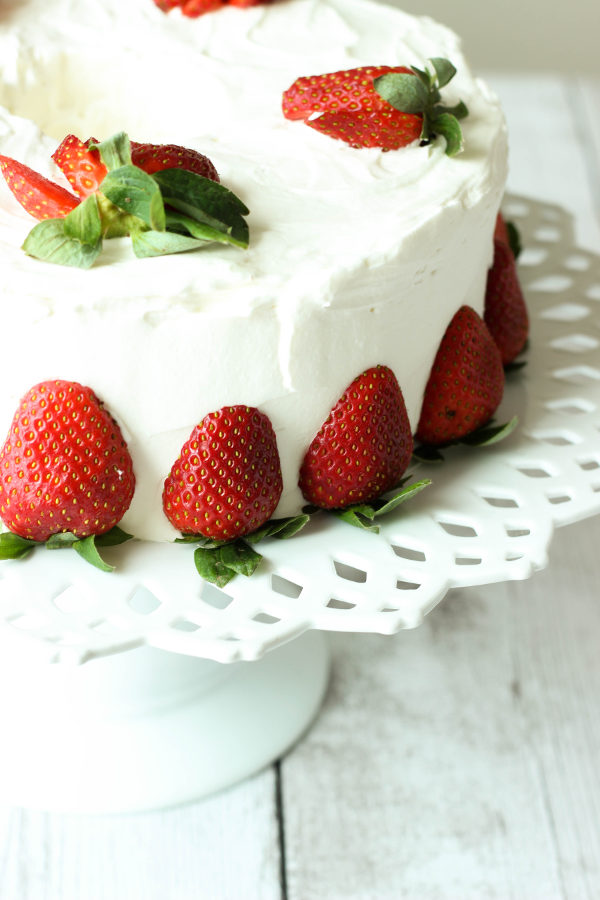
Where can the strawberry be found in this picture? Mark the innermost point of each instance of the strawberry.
(363, 447)
(465, 384)
(379, 106)
(195, 8)
(505, 312)
(39, 196)
(500, 230)
(82, 167)
(226, 481)
(351, 90)
(156, 157)
(389, 130)
(64, 466)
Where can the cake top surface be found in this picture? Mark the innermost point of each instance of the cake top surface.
(215, 83)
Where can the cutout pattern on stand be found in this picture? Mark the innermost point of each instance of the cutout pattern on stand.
(489, 515)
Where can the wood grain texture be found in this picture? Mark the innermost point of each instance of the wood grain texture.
(220, 848)
(459, 760)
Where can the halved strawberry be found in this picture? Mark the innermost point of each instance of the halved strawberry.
(64, 466)
(226, 481)
(505, 312)
(39, 196)
(364, 446)
(465, 384)
(82, 167)
(156, 157)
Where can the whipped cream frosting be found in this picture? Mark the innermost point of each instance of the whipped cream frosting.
(357, 257)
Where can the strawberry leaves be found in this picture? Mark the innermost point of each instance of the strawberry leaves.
(220, 561)
(362, 515)
(12, 546)
(419, 94)
(170, 211)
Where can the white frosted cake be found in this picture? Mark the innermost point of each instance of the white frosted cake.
(356, 258)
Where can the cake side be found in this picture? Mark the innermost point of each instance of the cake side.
(357, 258)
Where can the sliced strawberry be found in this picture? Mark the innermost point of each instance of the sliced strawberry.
(82, 167)
(350, 90)
(387, 129)
(64, 465)
(227, 480)
(465, 384)
(505, 312)
(364, 446)
(155, 157)
(39, 196)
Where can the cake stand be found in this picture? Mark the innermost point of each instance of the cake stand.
(154, 718)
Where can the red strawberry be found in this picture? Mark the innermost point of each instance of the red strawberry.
(195, 8)
(500, 230)
(350, 90)
(465, 384)
(155, 157)
(82, 167)
(39, 196)
(363, 447)
(388, 129)
(505, 312)
(227, 480)
(64, 465)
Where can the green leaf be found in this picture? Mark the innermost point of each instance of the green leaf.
(448, 127)
(486, 436)
(221, 564)
(137, 194)
(115, 151)
(278, 528)
(48, 241)
(353, 517)
(406, 493)
(425, 453)
(60, 540)
(515, 366)
(444, 70)
(87, 549)
(12, 546)
(180, 223)
(160, 243)
(113, 538)
(460, 111)
(84, 224)
(205, 201)
(514, 239)
(404, 92)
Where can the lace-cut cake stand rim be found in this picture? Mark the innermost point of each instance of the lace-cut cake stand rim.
(488, 516)
(164, 721)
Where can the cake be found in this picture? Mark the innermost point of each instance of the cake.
(357, 258)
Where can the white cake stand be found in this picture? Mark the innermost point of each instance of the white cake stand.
(165, 721)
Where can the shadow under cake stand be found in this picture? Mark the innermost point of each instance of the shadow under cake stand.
(156, 718)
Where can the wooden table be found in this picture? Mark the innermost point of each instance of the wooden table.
(458, 761)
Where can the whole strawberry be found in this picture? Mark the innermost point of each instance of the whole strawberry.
(227, 480)
(64, 466)
(364, 446)
(379, 106)
(156, 157)
(465, 384)
(505, 312)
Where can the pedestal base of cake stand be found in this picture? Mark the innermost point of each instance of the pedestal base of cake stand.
(147, 728)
